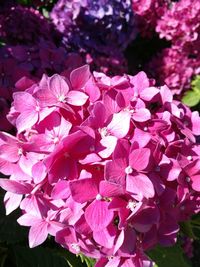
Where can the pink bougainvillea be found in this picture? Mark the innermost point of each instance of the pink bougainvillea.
(109, 166)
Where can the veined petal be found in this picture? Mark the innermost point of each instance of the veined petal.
(38, 234)
(120, 124)
(58, 86)
(26, 120)
(76, 98)
(15, 187)
(141, 115)
(80, 76)
(98, 216)
(140, 185)
(139, 158)
(83, 190)
(105, 237)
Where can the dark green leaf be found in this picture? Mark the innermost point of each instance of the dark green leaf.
(169, 256)
(187, 229)
(10, 231)
(38, 257)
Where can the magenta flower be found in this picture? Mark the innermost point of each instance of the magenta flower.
(108, 166)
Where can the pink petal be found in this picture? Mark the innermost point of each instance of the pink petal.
(148, 93)
(39, 172)
(98, 216)
(46, 97)
(9, 152)
(38, 234)
(195, 123)
(91, 158)
(115, 172)
(141, 138)
(29, 220)
(28, 101)
(109, 100)
(109, 142)
(105, 237)
(196, 182)
(12, 202)
(140, 185)
(58, 86)
(92, 90)
(61, 190)
(67, 236)
(15, 187)
(80, 76)
(26, 120)
(166, 94)
(84, 190)
(120, 124)
(76, 98)
(141, 115)
(108, 189)
(139, 158)
(119, 241)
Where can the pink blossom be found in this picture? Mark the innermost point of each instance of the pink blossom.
(109, 166)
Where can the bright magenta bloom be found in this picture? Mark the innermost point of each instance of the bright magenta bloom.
(109, 166)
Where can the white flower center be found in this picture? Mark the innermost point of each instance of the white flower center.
(76, 247)
(189, 157)
(61, 98)
(55, 140)
(131, 205)
(20, 151)
(128, 170)
(37, 108)
(98, 197)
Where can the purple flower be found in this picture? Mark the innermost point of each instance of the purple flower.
(22, 25)
(101, 25)
(99, 30)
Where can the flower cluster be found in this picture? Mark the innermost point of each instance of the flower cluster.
(28, 63)
(109, 166)
(97, 29)
(22, 25)
(179, 24)
(149, 12)
(174, 68)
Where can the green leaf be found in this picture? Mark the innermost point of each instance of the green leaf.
(72, 259)
(45, 13)
(191, 98)
(169, 256)
(187, 229)
(196, 83)
(24, 2)
(89, 261)
(38, 257)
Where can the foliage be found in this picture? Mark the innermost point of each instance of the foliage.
(169, 256)
(192, 97)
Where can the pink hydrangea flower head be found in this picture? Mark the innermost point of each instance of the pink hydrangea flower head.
(109, 166)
